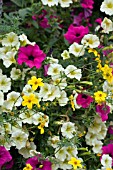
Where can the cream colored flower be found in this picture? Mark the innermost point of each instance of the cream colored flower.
(107, 7)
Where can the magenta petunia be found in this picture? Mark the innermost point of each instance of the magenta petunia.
(110, 129)
(5, 158)
(84, 100)
(108, 149)
(32, 56)
(87, 4)
(75, 33)
(39, 164)
(103, 111)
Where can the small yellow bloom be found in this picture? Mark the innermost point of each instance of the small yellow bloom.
(109, 169)
(100, 97)
(93, 51)
(75, 162)
(41, 127)
(35, 82)
(72, 103)
(29, 101)
(28, 167)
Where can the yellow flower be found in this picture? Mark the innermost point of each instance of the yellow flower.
(29, 101)
(75, 162)
(107, 73)
(100, 97)
(41, 127)
(28, 167)
(35, 82)
(93, 51)
(72, 103)
(109, 169)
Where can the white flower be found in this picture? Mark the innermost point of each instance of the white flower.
(65, 55)
(106, 161)
(24, 40)
(107, 86)
(90, 138)
(3, 51)
(68, 129)
(63, 98)
(107, 25)
(64, 165)
(26, 150)
(97, 146)
(13, 99)
(27, 89)
(52, 60)
(74, 100)
(1, 98)
(65, 3)
(19, 139)
(50, 2)
(72, 72)
(40, 117)
(7, 128)
(9, 58)
(15, 73)
(102, 133)
(76, 49)
(27, 117)
(90, 40)
(53, 141)
(5, 83)
(53, 93)
(94, 128)
(107, 7)
(60, 82)
(45, 90)
(60, 153)
(71, 152)
(55, 69)
(11, 39)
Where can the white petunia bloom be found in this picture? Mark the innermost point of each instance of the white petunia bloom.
(52, 60)
(65, 3)
(26, 150)
(55, 69)
(107, 25)
(90, 138)
(76, 49)
(50, 2)
(102, 133)
(65, 166)
(15, 73)
(10, 40)
(107, 7)
(68, 129)
(60, 82)
(27, 117)
(19, 139)
(27, 90)
(53, 141)
(1, 98)
(39, 118)
(72, 72)
(65, 55)
(95, 127)
(63, 100)
(24, 40)
(60, 153)
(106, 161)
(71, 152)
(45, 90)
(90, 40)
(3, 51)
(107, 86)
(53, 93)
(74, 100)
(13, 99)
(5, 83)
(97, 146)
(9, 58)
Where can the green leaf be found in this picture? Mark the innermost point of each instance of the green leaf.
(24, 12)
(18, 2)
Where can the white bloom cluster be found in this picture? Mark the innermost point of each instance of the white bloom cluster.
(63, 3)
(96, 132)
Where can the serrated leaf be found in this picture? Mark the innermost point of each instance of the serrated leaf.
(23, 12)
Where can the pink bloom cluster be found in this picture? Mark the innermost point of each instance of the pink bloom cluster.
(84, 100)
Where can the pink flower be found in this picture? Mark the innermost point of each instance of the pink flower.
(84, 100)
(34, 17)
(37, 161)
(46, 69)
(103, 111)
(87, 4)
(75, 34)
(98, 20)
(110, 130)
(44, 23)
(31, 55)
(108, 150)
(5, 158)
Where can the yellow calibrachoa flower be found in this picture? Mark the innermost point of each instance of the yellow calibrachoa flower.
(107, 73)
(100, 97)
(41, 127)
(91, 50)
(109, 169)
(29, 101)
(28, 167)
(72, 103)
(35, 82)
(75, 162)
